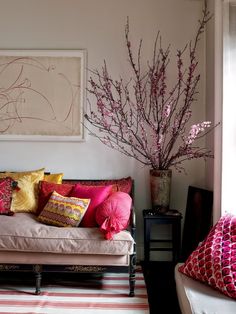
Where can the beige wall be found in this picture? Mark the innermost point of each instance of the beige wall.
(98, 26)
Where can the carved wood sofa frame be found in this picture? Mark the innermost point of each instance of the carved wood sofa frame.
(39, 269)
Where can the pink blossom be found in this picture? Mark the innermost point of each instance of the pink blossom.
(166, 111)
(195, 130)
(146, 117)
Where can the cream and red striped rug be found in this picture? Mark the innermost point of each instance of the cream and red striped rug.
(108, 295)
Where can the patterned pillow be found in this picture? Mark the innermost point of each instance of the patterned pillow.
(54, 177)
(6, 189)
(214, 260)
(46, 189)
(26, 199)
(121, 185)
(63, 211)
(97, 195)
(113, 214)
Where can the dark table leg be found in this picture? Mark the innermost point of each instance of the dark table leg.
(146, 240)
(176, 236)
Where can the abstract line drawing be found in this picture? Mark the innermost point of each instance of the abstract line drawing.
(42, 94)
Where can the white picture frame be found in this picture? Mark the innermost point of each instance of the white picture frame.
(42, 95)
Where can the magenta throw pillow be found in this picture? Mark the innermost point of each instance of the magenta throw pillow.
(97, 195)
(114, 213)
(214, 260)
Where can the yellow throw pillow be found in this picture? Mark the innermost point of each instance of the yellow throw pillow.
(54, 178)
(26, 172)
(26, 198)
(63, 211)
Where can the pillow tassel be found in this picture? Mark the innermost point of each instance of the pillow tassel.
(109, 227)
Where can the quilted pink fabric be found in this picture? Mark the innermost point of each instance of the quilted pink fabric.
(214, 260)
(97, 195)
(113, 214)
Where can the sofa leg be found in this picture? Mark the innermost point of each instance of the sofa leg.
(38, 278)
(132, 275)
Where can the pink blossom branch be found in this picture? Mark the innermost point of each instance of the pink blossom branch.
(145, 117)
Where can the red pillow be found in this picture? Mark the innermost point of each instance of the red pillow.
(113, 214)
(97, 195)
(122, 185)
(214, 260)
(45, 192)
(6, 189)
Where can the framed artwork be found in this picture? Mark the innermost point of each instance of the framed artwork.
(198, 219)
(42, 94)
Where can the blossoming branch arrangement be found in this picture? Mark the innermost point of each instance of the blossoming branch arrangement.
(145, 118)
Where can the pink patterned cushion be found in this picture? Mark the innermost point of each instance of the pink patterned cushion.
(97, 195)
(113, 214)
(214, 260)
(6, 189)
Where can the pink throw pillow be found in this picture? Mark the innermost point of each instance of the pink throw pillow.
(114, 213)
(214, 260)
(97, 195)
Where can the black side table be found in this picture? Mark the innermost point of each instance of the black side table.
(172, 217)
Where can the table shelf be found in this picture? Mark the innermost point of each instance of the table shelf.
(173, 218)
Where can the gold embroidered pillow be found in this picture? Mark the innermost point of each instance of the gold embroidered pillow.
(54, 177)
(63, 211)
(25, 199)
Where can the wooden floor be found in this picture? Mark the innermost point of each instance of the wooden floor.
(159, 277)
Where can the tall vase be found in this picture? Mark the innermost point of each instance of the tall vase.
(160, 181)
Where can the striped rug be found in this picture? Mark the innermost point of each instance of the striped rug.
(107, 294)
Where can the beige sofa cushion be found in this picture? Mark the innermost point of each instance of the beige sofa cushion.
(22, 232)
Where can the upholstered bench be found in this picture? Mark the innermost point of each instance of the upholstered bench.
(28, 245)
